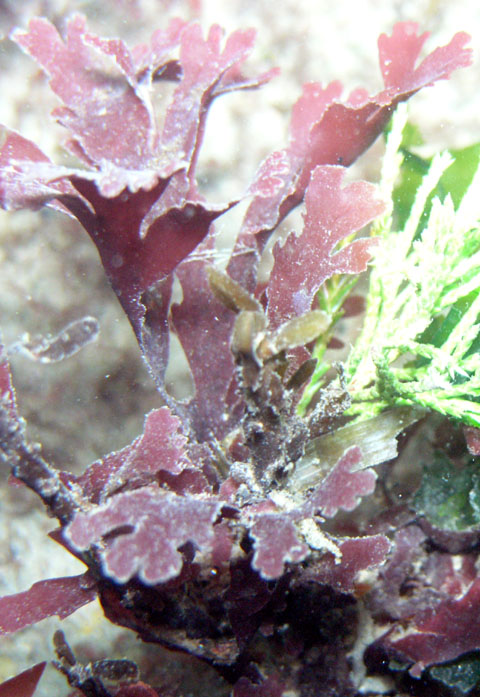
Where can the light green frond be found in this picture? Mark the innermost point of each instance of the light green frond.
(420, 342)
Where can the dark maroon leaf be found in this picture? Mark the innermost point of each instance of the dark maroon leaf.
(24, 684)
(407, 550)
(344, 486)
(357, 554)
(56, 596)
(27, 174)
(107, 113)
(305, 262)
(160, 447)
(399, 53)
(155, 56)
(409, 583)
(326, 131)
(452, 574)
(158, 524)
(443, 633)
(203, 65)
(204, 325)
(276, 542)
(274, 183)
(135, 258)
(247, 597)
(143, 211)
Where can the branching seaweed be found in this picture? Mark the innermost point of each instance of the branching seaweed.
(419, 338)
(254, 525)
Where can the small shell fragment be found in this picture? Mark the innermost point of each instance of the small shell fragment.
(296, 332)
(248, 332)
(302, 374)
(231, 293)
